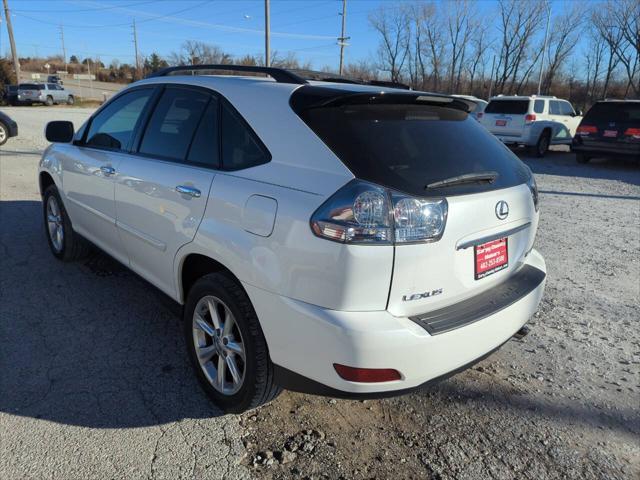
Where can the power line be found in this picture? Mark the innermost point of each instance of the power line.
(75, 10)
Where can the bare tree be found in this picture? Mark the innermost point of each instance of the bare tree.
(519, 21)
(564, 35)
(459, 29)
(392, 23)
(434, 48)
(193, 52)
(618, 23)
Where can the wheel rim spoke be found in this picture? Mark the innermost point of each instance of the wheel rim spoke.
(236, 348)
(204, 326)
(229, 322)
(213, 311)
(233, 369)
(205, 353)
(222, 368)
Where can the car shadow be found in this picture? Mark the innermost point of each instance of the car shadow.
(86, 343)
(564, 164)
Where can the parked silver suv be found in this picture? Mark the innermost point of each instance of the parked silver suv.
(45, 93)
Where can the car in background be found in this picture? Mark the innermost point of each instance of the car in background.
(480, 105)
(9, 95)
(535, 122)
(45, 93)
(8, 128)
(54, 79)
(611, 128)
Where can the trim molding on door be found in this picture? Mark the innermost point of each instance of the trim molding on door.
(142, 236)
(89, 209)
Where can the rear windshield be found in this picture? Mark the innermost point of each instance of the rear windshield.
(614, 112)
(507, 106)
(30, 86)
(408, 146)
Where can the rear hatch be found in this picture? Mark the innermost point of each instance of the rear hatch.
(422, 149)
(611, 124)
(505, 117)
(30, 90)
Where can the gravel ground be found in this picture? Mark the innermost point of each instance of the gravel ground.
(95, 382)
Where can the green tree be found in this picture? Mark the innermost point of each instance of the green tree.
(153, 63)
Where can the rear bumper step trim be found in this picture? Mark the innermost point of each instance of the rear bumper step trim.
(484, 305)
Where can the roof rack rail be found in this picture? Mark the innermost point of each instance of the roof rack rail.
(390, 84)
(322, 76)
(278, 74)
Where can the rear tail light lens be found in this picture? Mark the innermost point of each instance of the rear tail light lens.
(367, 375)
(530, 117)
(632, 132)
(365, 213)
(586, 129)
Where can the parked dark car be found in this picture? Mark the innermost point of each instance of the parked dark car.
(611, 128)
(8, 128)
(10, 95)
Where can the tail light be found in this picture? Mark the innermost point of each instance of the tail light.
(586, 129)
(529, 117)
(632, 132)
(365, 213)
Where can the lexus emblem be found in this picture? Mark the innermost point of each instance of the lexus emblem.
(502, 209)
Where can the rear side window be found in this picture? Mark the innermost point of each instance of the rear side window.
(173, 123)
(408, 146)
(113, 126)
(517, 107)
(240, 146)
(538, 106)
(618, 112)
(31, 86)
(554, 107)
(205, 148)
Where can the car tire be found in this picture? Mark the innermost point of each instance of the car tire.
(65, 244)
(542, 145)
(49, 101)
(223, 336)
(4, 133)
(70, 100)
(582, 158)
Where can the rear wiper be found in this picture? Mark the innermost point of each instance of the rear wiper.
(480, 177)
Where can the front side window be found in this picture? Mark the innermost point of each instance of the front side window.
(173, 123)
(240, 147)
(538, 106)
(566, 109)
(554, 108)
(113, 126)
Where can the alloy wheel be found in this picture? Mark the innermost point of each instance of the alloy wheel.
(219, 345)
(55, 224)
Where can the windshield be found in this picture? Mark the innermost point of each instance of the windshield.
(519, 107)
(409, 146)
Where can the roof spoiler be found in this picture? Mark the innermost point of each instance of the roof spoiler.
(280, 75)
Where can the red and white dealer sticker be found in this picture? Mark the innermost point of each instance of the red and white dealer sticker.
(491, 257)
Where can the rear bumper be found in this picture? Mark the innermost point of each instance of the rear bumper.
(305, 341)
(615, 149)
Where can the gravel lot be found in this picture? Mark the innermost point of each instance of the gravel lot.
(95, 382)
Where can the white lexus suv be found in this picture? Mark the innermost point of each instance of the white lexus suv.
(332, 238)
(534, 121)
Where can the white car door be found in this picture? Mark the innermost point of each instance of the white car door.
(558, 114)
(89, 174)
(162, 190)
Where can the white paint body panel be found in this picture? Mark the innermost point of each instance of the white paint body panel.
(319, 302)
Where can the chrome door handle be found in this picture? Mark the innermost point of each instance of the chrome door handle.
(193, 192)
(108, 170)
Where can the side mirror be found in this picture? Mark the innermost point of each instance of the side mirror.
(59, 131)
(579, 113)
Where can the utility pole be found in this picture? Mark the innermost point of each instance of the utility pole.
(135, 44)
(342, 40)
(14, 52)
(544, 49)
(267, 35)
(64, 50)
